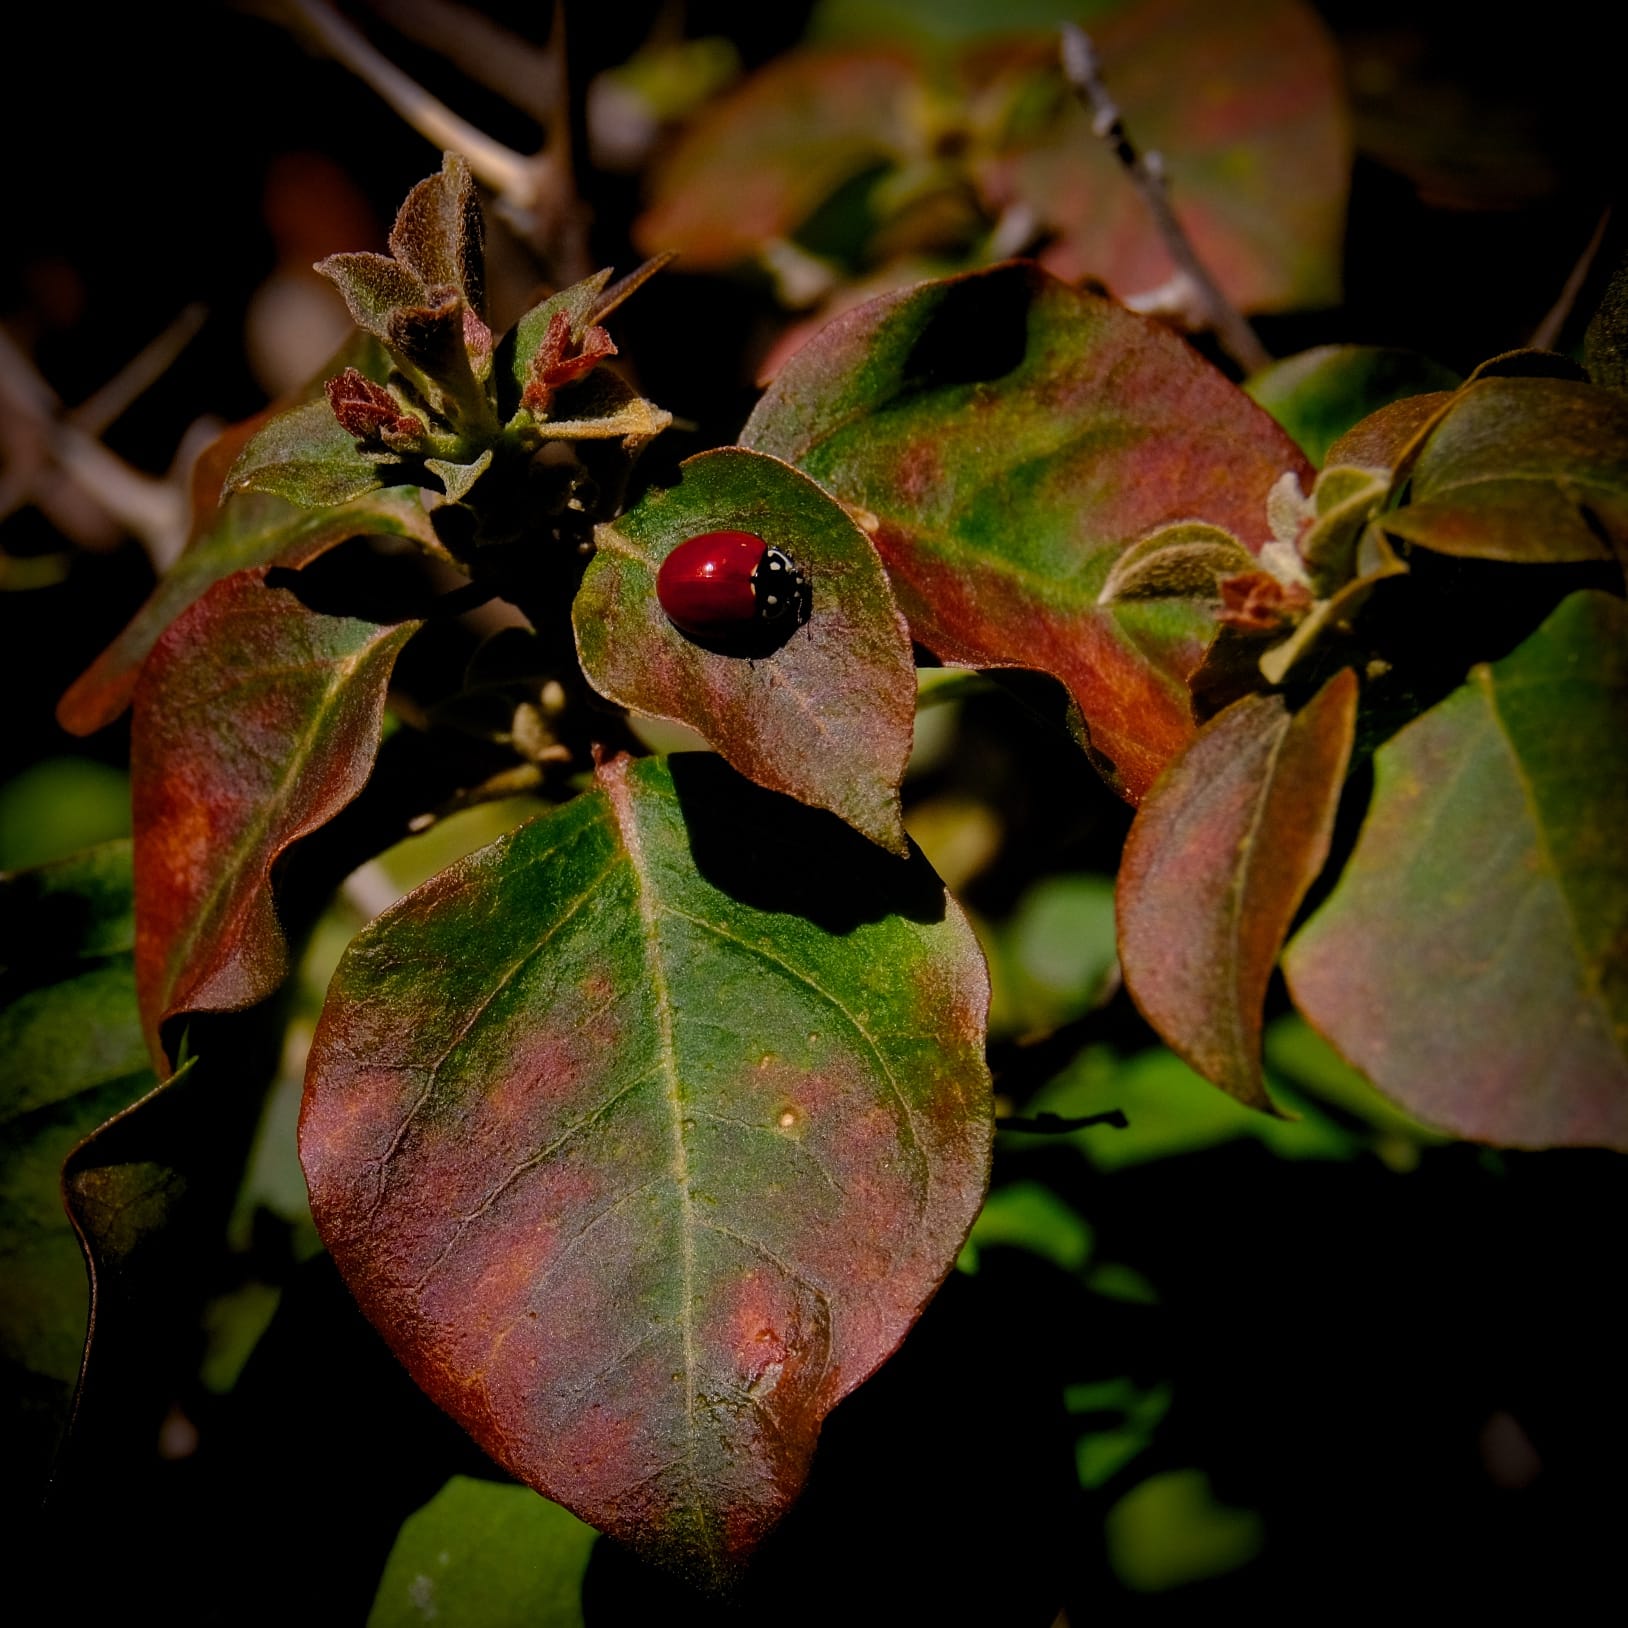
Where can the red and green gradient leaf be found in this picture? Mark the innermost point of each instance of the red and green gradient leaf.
(827, 717)
(1470, 960)
(1005, 438)
(639, 1197)
(256, 721)
(1217, 863)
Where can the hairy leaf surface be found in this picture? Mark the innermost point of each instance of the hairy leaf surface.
(645, 1134)
(826, 715)
(256, 721)
(1215, 866)
(1006, 438)
(1470, 960)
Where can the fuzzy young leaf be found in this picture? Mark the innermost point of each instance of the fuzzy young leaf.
(309, 457)
(372, 287)
(440, 235)
(1009, 437)
(256, 721)
(827, 716)
(518, 348)
(1216, 865)
(1492, 866)
(641, 1197)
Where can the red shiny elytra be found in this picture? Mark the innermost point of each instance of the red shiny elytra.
(723, 585)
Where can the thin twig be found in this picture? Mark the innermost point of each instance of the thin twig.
(154, 510)
(494, 57)
(1547, 332)
(511, 175)
(107, 405)
(1060, 1125)
(1146, 172)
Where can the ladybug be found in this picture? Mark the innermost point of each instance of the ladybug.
(726, 587)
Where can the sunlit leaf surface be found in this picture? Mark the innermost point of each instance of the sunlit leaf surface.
(1005, 438)
(645, 1134)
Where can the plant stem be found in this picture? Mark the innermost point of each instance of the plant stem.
(1147, 174)
(510, 174)
(1547, 331)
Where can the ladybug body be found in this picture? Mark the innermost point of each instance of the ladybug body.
(728, 586)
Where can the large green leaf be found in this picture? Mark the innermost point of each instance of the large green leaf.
(1522, 469)
(1216, 865)
(1005, 438)
(1244, 104)
(826, 717)
(645, 1134)
(1470, 960)
(256, 721)
(485, 1555)
(71, 1037)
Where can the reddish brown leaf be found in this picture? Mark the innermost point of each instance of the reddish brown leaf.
(365, 409)
(256, 721)
(1471, 958)
(1008, 438)
(1381, 440)
(645, 1134)
(1215, 867)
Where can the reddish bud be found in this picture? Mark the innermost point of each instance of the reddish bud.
(560, 361)
(367, 410)
(1257, 602)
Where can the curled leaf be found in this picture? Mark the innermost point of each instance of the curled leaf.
(1183, 561)
(256, 720)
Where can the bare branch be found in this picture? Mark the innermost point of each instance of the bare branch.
(1547, 332)
(154, 510)
(108, 404)
(491, 55)
(511, 175)
(1146, 173)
